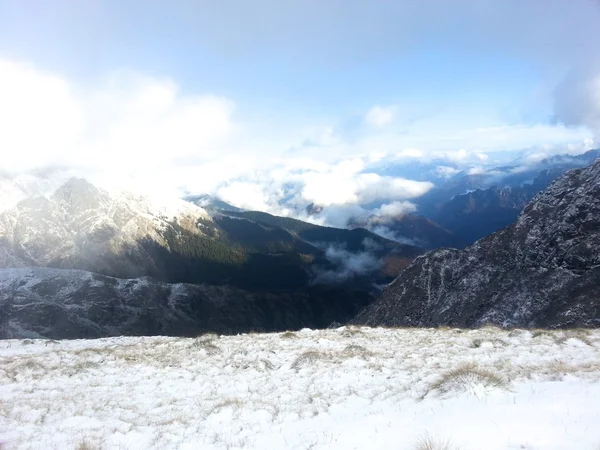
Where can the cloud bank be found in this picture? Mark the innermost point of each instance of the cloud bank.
(147, 132)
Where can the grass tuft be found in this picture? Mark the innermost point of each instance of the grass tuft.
(307, 358)
(428, 442)
(85, 445)
(354, 350)
(205, 343)
(468, 377)
(288, 335)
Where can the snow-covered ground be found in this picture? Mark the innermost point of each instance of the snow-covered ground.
(350, 388)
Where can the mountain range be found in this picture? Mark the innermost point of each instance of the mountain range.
(77, 260)
(541, 271)
(70, 251)
(473, 205)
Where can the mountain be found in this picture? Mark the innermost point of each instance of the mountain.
(478, 213)
(542, 271)
(517, 174)
(480, 210)
(77, 260)
(410, 228)
(120, 234)
(390, 256)
(68, 304)
(79, 226)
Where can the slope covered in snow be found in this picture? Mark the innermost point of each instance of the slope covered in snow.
(78, 225)
(349, 388)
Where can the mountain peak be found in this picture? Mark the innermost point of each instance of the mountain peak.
(79, 194)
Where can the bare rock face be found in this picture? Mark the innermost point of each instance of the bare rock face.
(544, 270)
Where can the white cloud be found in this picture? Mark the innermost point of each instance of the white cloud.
(40, 118)
(457, 156)
(477, 170)
(394, 209)
(409, 153)
(131, 123)
(446, 171)
(346, 184)
(147, 133)
(380, 116)
(350, 264)
(577, 99)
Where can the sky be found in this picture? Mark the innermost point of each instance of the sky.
(273, 104)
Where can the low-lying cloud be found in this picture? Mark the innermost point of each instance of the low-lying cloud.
(349, 264)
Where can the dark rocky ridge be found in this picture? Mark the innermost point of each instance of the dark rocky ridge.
(544, 270)
(68, 304)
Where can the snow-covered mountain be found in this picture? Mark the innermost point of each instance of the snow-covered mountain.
(81, 226)
(544, 270)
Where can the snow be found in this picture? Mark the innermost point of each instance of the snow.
(349, 388)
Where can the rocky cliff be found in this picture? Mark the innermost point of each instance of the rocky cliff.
(544, 270)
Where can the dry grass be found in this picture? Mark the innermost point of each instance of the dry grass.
(354, 350)
(206, 343)
(581, 335)
(428, 442)
(289, 335)
(352, 331)
(85, 445)
(234, 403)
(307, 358)
(476, 343)
(465, 377)
(403, 364)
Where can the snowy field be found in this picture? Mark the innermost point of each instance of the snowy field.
(350, 388)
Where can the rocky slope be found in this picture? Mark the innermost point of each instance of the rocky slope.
(544, 270)
(60, 303)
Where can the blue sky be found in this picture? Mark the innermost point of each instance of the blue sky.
(235, 91)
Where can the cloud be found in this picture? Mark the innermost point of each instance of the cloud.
(39, 116)
(247, 195)
(339, 188)
(131, 122)
(395, 209)
(146, 133)
(446, 171)
(380, 116)
(577, 99)
(349, 264)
